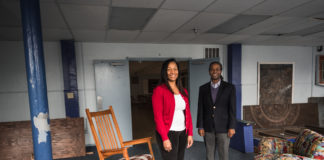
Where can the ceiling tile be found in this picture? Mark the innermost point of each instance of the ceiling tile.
(308, 9)
(210, 38)
(130, 18)
(151, 36)
(168, 20)
(187, 5)
(281, 40)
(56, 34)
(287, 41)
(320, 15)
(89, 35)
(267, 24)
(232, 6)
(300, 24)
(237, 23)
(174, 22)
(10, 13)
(274, 7)
(317, 35)
(233, 38)
(85, 17)
(180, 37)
(309, 30)
(85, 2)
(257, 39)
(51, 16)
(121, 36)
(137, 3)
(204, 21)
(314, 42)
(11, 34)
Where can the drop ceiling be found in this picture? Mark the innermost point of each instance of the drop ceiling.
(258, 22)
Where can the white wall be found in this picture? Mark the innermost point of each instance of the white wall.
(13, 87)
(88, 52)
(302, 57)
(14, 104)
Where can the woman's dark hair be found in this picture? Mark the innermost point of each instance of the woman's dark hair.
(164, 76)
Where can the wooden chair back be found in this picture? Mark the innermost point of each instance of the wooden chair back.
(108, 138)
(106, 127)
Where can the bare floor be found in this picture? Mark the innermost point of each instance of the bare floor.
(143, 126)
(196, 152)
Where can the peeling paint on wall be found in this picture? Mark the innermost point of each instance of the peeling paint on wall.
(41, 123)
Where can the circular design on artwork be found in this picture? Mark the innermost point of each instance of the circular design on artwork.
(275, 115)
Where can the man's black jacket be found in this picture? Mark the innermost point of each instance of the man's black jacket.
(221, 117)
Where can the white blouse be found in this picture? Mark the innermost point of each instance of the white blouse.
(178, 122)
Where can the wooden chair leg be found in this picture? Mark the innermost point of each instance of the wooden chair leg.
(125, 154)
(150, 148)
(101, 156)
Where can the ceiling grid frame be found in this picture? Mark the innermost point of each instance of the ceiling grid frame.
(85, 21)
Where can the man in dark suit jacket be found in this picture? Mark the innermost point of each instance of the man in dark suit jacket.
(216, 113)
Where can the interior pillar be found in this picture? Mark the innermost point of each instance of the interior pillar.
(234, 53)
(71, 95)
(36, 79)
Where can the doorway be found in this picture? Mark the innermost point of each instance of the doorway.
(144, 77)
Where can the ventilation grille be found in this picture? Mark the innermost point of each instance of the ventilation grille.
(211, 53)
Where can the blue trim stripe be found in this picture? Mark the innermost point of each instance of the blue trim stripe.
(234, 73)
(71, 95)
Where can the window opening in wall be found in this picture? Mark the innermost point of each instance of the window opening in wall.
(320, 70)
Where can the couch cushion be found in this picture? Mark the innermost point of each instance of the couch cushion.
(264, 157)
(309, 144)
(285, 156)
(290, 157)
(274, 146)
(140, 157)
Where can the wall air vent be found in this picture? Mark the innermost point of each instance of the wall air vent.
(211, 53)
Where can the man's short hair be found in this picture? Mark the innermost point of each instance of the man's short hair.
(215, 62)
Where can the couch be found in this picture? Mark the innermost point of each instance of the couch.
(308, 145)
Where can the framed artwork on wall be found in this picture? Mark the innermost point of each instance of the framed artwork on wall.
(275, 82)
(319, 71)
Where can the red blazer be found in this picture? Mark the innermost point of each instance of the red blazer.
(163, 109)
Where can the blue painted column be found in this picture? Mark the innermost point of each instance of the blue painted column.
(36, 79)
(71, 95)
(243, 138)
(234, 57)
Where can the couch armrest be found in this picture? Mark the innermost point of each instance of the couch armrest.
(273, 145)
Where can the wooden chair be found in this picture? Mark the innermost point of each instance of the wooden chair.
(110, 140)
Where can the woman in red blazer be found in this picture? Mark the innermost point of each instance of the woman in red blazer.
(172, 113)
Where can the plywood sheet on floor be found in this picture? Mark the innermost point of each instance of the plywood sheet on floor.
(67, 139)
